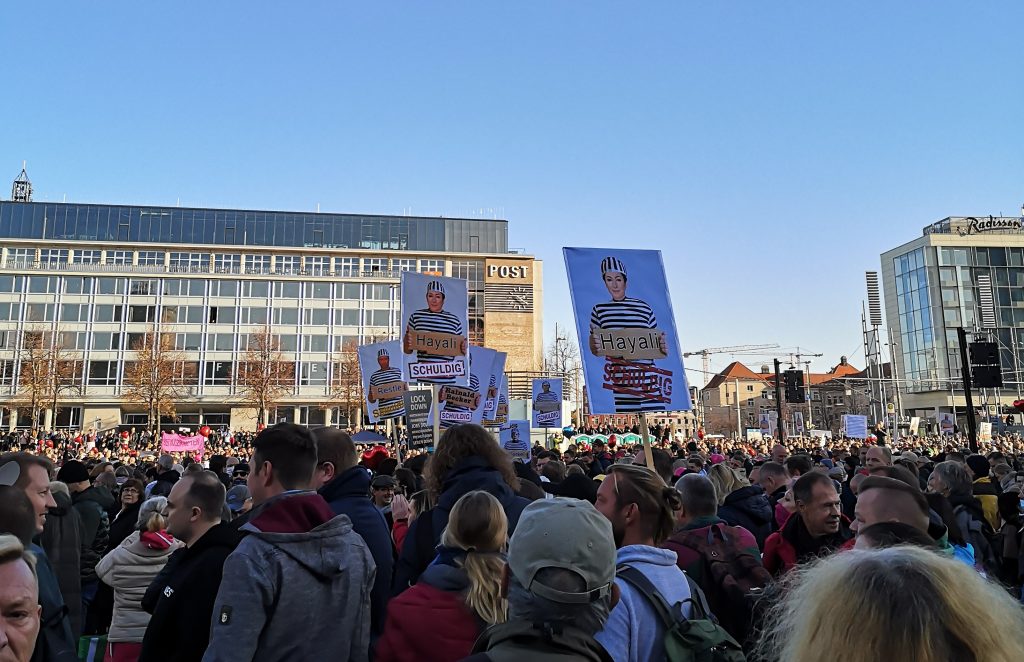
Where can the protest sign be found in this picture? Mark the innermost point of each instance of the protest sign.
(515, 439)
(947, 422)
(547, 403)
(175, 443)
(499, 416)
(855, 426)
(418, 405)
(494, 385)
(798, 423)
(629, 344)
(383, 382)
(434, 322)
(764, 421)
(465, 404)
(984, 431)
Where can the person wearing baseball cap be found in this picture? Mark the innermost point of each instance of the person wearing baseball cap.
(560, 585)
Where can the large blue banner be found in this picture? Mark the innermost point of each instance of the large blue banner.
(626, 331)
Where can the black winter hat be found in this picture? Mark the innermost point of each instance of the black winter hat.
(73, 471)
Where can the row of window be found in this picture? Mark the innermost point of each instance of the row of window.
(225, 262)
(220, 342)
(186, 373)
(247, 289)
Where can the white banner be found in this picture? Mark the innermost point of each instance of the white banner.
(855, 427)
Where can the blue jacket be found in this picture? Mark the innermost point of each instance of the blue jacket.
(634, 632)
(349, 494)
(420, 546)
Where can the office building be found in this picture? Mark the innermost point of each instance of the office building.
(936, 284)
(102, 276)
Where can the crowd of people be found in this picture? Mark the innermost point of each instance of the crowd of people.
(300, 544)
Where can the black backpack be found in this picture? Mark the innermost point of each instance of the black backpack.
(697, 639)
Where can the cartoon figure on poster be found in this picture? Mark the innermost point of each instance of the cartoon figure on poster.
(547, 403)
(515, 439)
(946, 423)
(465, 404)
(494, 385)
(499, 416)
(765, 423)
(798, 419)
(383, 383)
(629, 343)
(434, 341)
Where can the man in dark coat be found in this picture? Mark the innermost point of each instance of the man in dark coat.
(62, 542)
(91, 504)
(346, 487)
(181, 597)
(24, 499)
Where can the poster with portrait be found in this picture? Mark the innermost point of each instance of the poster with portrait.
(626, 331)
(515, 439)
(947, 422)
(435, 319)
(494, 385)
(384, 385)
(546, 403)
(499, 416)
(798, 423)
(765, 423)
(465, 404)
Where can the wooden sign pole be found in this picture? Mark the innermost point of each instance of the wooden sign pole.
(647, 441)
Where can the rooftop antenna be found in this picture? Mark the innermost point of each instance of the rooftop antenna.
(21, 191)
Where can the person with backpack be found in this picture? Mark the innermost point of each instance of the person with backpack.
(650, 621)
(723, 560)
(951, 480)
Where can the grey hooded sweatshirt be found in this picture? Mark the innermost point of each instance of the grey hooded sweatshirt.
(296, 588)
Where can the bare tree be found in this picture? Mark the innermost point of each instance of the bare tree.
(345, 389)
(33, 356)
(563, 357)
(264, 375)
(65, 374)
(155, 378)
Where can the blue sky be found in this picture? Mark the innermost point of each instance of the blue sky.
(772, 150)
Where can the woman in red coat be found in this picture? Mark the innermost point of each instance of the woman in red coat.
(458, 595)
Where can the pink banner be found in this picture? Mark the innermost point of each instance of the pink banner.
(175, 443)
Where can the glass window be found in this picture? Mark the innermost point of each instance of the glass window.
(374, 265)
(223, 342)
(119, 257)
(349, 291)
(403, 265)
(287, 289)
(315, 344)
(74, 312)
(188, 261)
(21, 255)
(224, 288)
(110, 285)
(348, 266)
(141, 313)
(143, 287)
(252, 315)
(53, 256)
(318, 264)
(39, 312)
(109, 313)
(188, 341)
(432, 267)
(257, 264)
(12, 283)
(379, 317)
(286, 316)
(289, 343)
(313, 373)
(316, 316)
(255, 289)
(378, 292)
(152, 258)
(42, 285)
(347, 317)
(88, 257)
(288, 264)
(77, 285)
(221, 315)
(227, 262)
(102, 373)
(10, 312)
(317, 290)
(217, 373)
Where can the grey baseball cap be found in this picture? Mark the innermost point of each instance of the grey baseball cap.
(563, 533)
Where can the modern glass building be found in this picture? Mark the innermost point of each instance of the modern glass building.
(931, 288)
(104, 275)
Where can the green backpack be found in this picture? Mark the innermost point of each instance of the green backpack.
(697, 639)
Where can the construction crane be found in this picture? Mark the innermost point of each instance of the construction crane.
(707, 352)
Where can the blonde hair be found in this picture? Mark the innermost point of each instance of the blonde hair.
(12, 550)
(151, 515)
(726, 480)
(901, 603)
(477, 524)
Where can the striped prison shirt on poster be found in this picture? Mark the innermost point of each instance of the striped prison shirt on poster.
(439, 322)
(386, 376)
(629, 313)
(474, 385)
(548, 396)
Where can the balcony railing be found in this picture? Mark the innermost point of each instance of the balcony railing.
(17, 265)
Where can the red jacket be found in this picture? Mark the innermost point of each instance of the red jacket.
(780, 552)
(427, 624)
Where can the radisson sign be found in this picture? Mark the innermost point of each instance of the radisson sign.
(993, 224)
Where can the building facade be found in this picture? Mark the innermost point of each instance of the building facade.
(102, 276)
(931, 288)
